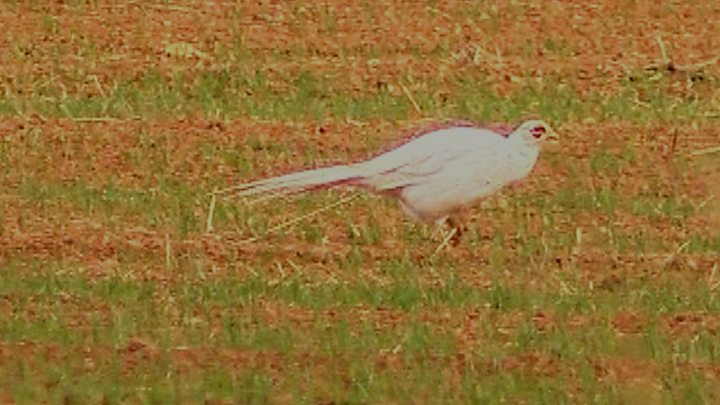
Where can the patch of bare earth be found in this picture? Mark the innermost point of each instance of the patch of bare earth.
(590, 46)
(87, 49)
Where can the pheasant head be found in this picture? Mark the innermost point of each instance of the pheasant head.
(535, 133)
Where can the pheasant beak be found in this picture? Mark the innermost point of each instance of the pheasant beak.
(552, 137)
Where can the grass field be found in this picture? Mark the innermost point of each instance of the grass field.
(597, 281)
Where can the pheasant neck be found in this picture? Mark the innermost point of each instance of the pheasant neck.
(526, 154)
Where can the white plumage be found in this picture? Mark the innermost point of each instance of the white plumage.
(432, 174)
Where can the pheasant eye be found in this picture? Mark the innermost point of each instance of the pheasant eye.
(537, 132)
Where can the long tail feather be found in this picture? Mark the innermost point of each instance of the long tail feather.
(297, 182)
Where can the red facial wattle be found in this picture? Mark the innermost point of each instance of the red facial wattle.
(538, 132)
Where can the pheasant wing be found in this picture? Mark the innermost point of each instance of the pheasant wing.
(425, 165)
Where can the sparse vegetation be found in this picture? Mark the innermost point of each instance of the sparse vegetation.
(596, 281)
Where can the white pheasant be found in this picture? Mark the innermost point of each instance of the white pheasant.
(432, 174)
